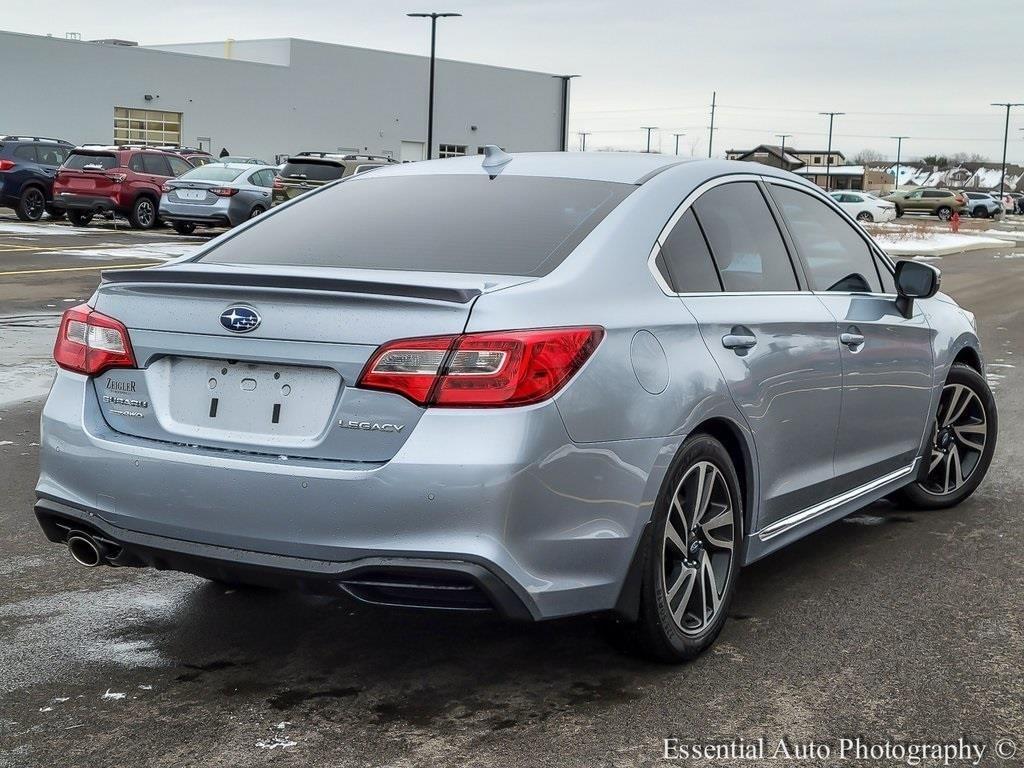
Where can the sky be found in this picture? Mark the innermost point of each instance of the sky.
(927, 69)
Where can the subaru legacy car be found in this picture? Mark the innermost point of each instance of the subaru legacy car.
(613, 382)
(216, 195)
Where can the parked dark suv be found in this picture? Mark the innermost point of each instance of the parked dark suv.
(309, 170)
(115, 180)
(27, 168)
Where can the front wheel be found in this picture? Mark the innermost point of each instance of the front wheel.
(899, 212)
(944, 213)
(143, 214)
(692, 560)
(962, 441)
(865, 217)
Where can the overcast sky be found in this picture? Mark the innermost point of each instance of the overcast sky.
(925, 68)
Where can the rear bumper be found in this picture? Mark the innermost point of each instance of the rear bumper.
(68, 200)
(434, 583)
(504, 491)
(217, 214)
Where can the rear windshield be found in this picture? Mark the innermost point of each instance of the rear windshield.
(513, 225)
(314, 171)
(77, 161)
(211, 173)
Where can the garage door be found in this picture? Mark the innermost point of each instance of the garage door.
(413, 150)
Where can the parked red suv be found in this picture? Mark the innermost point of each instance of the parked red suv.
(109, 180)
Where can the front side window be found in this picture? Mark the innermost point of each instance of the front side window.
(685, 261)
(51, 155)
(836, 256)
(511, 225)
(179, 166)
(745, 240)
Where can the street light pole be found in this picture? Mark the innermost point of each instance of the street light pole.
(711, 130)
(564, 139)
(899, 147)
(1006, 137)
(433, 47)
(784, 136)
(828, 153)
(677, 135)
(648, 128)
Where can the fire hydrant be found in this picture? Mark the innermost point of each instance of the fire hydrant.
(954, 221)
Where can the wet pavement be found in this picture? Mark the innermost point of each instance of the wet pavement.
(892, 624)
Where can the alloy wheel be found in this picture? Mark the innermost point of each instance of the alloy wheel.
(35, 203)
(145, 213)
(698, 548)
(958, 440)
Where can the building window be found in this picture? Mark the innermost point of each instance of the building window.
(146, 127)
(451, 150)
(480, 150)
(817, 160)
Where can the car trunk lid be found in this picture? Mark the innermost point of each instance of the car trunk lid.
(284, 387)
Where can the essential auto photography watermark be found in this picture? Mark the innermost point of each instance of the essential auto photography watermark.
(847, 749)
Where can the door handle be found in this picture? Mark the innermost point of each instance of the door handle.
(851, 339)
(738, 341)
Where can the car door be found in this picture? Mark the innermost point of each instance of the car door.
(259, 194)
(914, 201)
(774, 343)
(887, 358)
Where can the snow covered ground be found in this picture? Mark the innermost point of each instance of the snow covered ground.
(938, 243)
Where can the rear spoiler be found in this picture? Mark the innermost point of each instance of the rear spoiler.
(288, 282)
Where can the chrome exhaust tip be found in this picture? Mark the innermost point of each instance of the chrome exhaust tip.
(84, 549)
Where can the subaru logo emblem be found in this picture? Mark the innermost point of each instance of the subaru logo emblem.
(240, 319)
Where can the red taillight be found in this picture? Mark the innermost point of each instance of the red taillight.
(224, 191)
(482, 370)
(90, 342)
(6, 165)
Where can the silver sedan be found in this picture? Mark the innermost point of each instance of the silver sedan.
(216, 195)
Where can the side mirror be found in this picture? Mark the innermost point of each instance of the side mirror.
(915, 280)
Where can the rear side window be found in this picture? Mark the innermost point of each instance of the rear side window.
(685, 260)
(156, 165)
(836, 256)
(744, 239)
(511, 225)
(26, 152)
(313, 171)
(77, 161)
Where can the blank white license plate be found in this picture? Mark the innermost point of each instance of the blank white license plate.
(213, 396)
(192, 194)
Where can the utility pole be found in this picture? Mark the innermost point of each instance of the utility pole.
(677, 135)
(1006, 136)
(648, 129)
(784, 136)
(828, 154)
(563, 140)
(711, 133)
(899, 147)
(583, 140)
(433, 47)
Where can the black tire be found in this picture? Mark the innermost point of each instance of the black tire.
(944, 212)
(56, 214)
(143, 213)
(980, 213)
(32, 204)
(899, 212)
(256, 211)
(865, 216)
(656, 634)
(79, 218)
(184, 227)
(926, 493)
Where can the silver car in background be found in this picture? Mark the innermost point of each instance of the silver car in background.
(217, 195)
(540, 384)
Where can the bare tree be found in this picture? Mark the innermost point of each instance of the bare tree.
(866, 156)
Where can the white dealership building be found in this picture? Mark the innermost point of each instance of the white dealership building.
(269, 98)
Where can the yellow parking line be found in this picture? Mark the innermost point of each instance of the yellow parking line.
(77, 269)
(51, 248)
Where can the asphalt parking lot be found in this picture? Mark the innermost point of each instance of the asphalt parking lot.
(891, 624)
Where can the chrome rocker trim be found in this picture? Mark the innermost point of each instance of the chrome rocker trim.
(780, 527)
